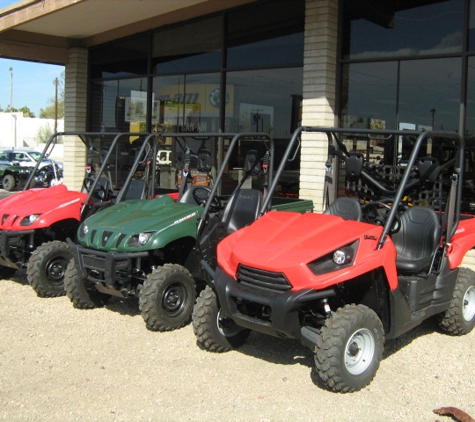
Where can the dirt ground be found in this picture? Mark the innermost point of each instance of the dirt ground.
(58, 363)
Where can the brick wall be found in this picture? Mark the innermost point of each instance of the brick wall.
(319, 93)
(75, 108)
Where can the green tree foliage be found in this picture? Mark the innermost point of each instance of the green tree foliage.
(44, 133)
(25, 110)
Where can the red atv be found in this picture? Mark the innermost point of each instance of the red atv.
(370, 268)
(35, 223)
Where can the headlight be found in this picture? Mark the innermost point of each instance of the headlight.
(143, 238)
(28, 221)
(83, 230)
(140, 239)
(341, 258)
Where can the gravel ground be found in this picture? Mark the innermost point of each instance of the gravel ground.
(58, 363)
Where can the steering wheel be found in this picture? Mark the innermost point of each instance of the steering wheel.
(100, 192)
(377, 212)
(201, 195)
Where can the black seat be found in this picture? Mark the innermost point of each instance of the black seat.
(417, 240)
(137, 190)
(189, 197)
(346, 208)
(242, 209)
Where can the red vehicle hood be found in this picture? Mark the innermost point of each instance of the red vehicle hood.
(286, 242)
(56, 202)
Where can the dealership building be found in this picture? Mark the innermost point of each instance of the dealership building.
(253, 65)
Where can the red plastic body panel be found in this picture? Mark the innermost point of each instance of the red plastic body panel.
(53, 204)
(287, 242)
(462, 241)
(174, 195)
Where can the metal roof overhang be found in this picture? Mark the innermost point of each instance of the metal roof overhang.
(44, 30)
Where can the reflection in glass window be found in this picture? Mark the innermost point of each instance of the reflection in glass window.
(429, 94)
(120, 106)
(280, 50)
(188, 48)
(421, 94)
(262, 100)
(123, 58)
(186, 103)
(369, 95)
(266, 36)
(388, 28)
(470, 111)
(471, 27)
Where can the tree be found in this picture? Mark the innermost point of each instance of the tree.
(44, 133)
(49, 112)
(25, 110)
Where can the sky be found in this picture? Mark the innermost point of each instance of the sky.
(32, 84)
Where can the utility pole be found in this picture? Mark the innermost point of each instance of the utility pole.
(55, 105)
(10, 69)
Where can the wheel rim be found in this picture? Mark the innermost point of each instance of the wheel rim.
(226, 326)
(359, 351)
(468, 307)
(174, 298)
(55, 270)
(7, 183)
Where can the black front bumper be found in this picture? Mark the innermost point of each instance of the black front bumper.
(102, 268)
(282, 308)
(15, 247)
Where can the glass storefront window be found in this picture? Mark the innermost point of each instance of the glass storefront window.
(186, 103)
(429, 95)
(261, 100)
(406, 28)
(188, 48)
(124, 58)
(185, 67)
(269, 34)
(369, 95)
(471, 27)
(267, 101)
(470, 109)
(421, 94)
(120, 106)
(281, 50)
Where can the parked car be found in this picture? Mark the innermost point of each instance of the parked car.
(12, 175)
(24, 158)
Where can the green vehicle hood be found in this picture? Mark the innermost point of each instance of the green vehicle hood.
(116, 228)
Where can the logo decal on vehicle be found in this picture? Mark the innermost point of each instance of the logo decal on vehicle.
(69, 203)
(188, 217)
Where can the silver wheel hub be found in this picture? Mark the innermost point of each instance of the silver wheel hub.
(468, 306)
(359, 351)
(226, 326)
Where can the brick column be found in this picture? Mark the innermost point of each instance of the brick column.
(75, 107)
(319, 91)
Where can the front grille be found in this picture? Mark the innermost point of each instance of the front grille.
(105, 237)
(98, 263)
(263, 279)
(94, 262)
(120, 239)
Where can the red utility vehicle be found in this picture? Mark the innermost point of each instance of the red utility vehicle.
(370, 268)
(35, 223)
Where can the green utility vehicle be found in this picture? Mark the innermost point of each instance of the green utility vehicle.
(152, 249)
